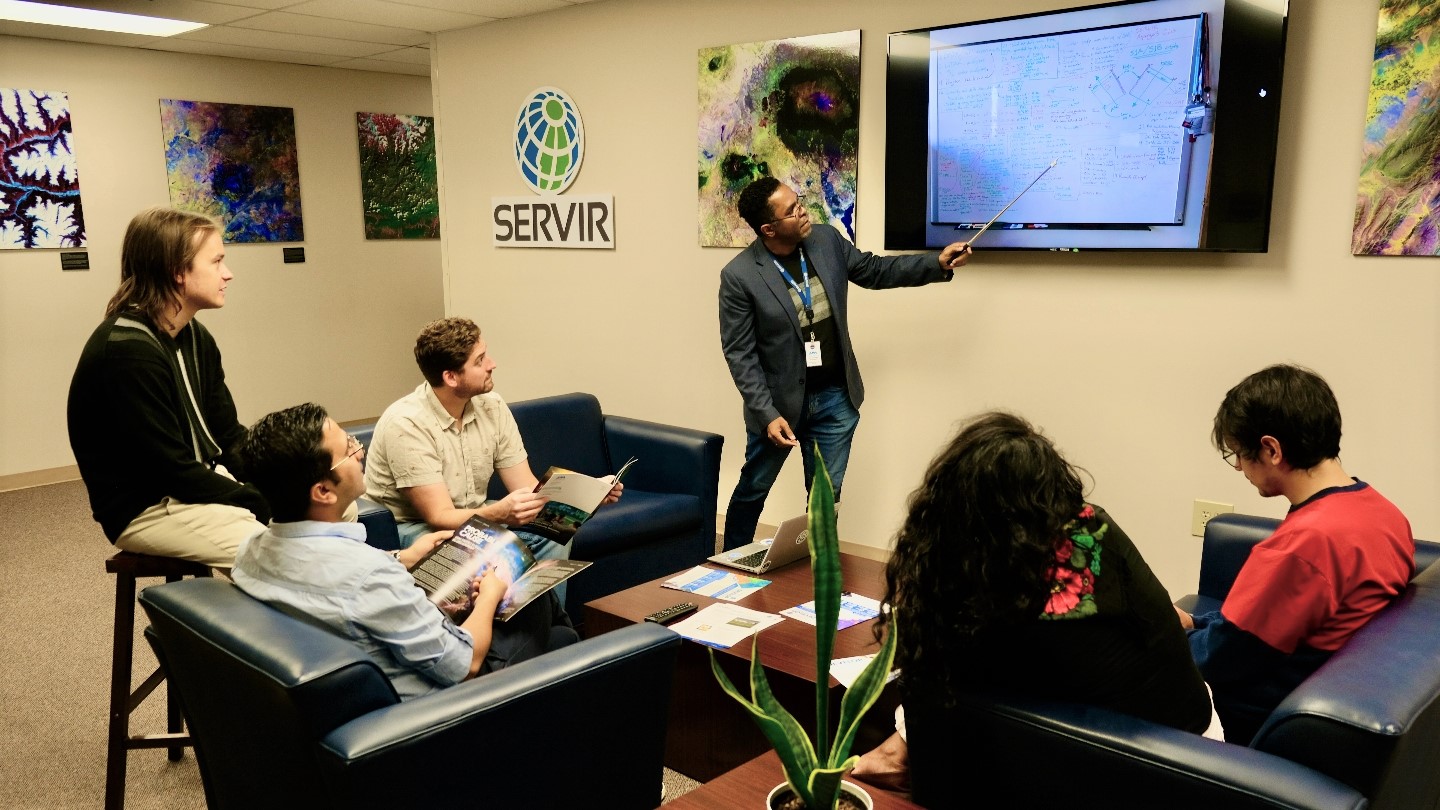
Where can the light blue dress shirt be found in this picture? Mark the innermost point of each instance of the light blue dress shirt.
(325, 570)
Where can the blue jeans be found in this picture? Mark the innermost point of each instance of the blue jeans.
(542, 548)
(827, 420)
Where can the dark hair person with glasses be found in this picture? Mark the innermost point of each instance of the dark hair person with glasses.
(785, 333)
(1004, 579)
(1341, 554)
(150, 417)
(313, 561)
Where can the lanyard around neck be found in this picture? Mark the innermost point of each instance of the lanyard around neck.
(803, 292)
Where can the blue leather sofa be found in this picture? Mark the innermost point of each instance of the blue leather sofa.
(664, 523)
(1362, 731)
(286, 714)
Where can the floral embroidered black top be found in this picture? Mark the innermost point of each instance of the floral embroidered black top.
(1108, 636)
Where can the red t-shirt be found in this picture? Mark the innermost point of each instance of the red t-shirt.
(1335, 560)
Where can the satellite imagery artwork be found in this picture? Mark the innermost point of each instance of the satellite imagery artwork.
(39, 186)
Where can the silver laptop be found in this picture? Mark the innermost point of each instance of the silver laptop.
(789, 545)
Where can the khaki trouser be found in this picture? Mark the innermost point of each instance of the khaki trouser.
(209, 533)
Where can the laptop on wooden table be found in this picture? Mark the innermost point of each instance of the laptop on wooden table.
(791, 542)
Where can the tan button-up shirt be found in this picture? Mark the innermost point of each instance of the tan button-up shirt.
(416, 442)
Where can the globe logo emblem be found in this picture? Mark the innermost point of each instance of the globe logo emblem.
(549, 141)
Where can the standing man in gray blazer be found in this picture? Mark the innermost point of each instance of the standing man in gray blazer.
(786, 337)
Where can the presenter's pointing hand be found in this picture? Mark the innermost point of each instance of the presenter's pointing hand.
(955, 254)
(780, 433)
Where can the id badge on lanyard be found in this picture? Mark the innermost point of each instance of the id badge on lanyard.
(813, 358)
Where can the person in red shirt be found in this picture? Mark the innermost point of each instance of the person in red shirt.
(1341, 554)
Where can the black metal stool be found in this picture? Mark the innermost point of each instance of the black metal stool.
(127, 567)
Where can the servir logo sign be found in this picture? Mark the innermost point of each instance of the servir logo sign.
(549, 141)
(549, 145)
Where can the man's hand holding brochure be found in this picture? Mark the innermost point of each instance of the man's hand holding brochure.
(478, 547)
(571, 498)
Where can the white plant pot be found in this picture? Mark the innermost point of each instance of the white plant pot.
(853, 790)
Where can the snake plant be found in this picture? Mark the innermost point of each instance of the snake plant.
(814, 770)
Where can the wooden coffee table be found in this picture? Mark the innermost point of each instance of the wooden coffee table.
(709, 733)
(749, 784)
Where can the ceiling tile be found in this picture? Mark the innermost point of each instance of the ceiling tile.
(244, 52)
(229, 35)
(308, 32)
(287, 23)
(378, 66)
(378, 12)
(489, 8)
(410, 56)
(260, 5)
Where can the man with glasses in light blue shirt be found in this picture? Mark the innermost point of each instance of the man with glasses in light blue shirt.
(785, 334)
(310, 560)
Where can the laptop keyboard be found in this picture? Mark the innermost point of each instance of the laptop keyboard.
(751, 560)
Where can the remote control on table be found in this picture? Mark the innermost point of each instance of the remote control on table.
(665, 615)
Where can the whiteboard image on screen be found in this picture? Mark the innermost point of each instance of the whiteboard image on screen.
(1107, 103)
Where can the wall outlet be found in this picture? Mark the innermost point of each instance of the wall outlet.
(1204, 510)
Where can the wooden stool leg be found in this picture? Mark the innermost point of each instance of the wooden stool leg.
(120, 664)
(176, 722)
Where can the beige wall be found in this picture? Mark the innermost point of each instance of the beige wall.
(334, 330)
(1122, 358)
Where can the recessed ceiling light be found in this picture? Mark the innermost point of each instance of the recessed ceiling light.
(21, 11)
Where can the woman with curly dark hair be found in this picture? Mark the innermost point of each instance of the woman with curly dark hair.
(1003, 579)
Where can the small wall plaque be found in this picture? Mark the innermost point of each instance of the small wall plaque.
(294, 255)
(74, 260)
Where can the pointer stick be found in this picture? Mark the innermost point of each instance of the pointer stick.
(987, 225)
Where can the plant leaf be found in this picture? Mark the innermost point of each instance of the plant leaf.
(861, 696)
(825, 566)
(780, 727)
(825, 787)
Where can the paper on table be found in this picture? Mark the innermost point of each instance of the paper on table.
(846, 670)
(718, 584)
(721, 625)
(854, 609)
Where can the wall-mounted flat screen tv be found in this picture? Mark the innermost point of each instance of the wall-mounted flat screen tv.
(1150, 125)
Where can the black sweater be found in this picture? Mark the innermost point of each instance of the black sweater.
(140, 433)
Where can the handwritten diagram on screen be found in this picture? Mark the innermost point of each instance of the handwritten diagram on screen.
(1107, 103)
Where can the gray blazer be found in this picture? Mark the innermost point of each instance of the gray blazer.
(760, 331)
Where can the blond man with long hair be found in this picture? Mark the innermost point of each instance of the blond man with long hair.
(151, 420)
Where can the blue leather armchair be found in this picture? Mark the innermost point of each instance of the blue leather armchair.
(1038, 754)
(1362, 731)
(286, 714)
(664, 523)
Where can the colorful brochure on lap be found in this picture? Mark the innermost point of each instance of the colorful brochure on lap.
(724, 585)
(444, 574)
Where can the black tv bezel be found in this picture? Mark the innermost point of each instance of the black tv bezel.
(1242, 174)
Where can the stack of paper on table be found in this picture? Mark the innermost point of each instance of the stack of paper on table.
(846, 670)
(714, 583)
(854, 609)
(722, 625)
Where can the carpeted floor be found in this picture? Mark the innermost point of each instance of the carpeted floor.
(58, 608)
